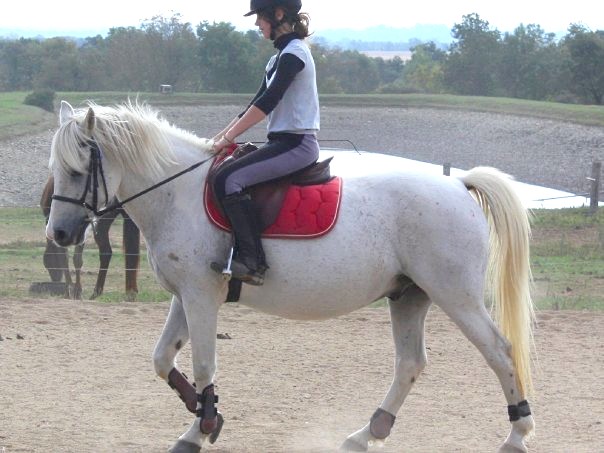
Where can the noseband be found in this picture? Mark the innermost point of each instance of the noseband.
(95, 168)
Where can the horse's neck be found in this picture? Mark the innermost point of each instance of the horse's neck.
(169, 205)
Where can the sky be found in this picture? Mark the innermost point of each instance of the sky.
(505, 15)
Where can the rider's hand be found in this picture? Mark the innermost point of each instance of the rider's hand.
(220, 144)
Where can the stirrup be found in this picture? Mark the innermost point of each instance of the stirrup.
(251, 277)
(224, 269)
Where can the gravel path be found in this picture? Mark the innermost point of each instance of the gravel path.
(545, 152)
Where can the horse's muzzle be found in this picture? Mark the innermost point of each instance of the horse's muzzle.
(65, 236)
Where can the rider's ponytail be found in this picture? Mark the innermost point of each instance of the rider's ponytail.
(300, 25)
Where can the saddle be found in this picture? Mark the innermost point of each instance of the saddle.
(272, 196)
(269, 196)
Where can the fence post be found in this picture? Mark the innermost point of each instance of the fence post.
(447, 169)
(594, 195)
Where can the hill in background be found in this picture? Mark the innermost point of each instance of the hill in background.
(385, 38)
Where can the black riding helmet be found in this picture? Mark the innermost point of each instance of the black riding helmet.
(258, 5)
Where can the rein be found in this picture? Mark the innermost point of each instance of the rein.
(96, 167)
(92, 184)
(119, 204)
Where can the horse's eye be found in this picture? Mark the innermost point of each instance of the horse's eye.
(75, 174)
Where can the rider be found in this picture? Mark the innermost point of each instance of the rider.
(288, 97)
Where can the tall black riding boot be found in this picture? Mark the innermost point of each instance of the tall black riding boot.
(248, 264)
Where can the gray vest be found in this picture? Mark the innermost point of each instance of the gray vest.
(298, 110)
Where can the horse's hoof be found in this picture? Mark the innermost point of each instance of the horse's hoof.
(352, 445)
(509, 448)
(184, 447)
(214, 434)
(76, 292)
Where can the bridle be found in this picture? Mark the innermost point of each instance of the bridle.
(95, 169)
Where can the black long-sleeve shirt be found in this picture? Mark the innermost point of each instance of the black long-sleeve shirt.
(285, 70)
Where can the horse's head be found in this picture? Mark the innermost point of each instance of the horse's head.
(84, 180)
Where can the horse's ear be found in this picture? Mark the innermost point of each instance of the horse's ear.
(66, 113)
(89, 121)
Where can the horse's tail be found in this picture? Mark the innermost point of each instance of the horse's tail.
(509, 275)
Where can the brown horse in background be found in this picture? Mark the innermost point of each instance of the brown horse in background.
(56, 258)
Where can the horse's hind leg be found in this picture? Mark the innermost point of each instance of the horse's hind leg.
(474, 321)
(407, 314)
(173, 338)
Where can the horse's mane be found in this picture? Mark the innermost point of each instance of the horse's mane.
(133, 134)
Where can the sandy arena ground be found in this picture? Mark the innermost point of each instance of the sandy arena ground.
(78, 377)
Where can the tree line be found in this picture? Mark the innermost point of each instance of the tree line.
(527, 63)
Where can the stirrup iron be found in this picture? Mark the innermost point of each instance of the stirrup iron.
(225, 271)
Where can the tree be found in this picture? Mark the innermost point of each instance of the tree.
(128, 62)
(172, 47)
(389, 70)
(354, 72)
(528, 64)
(59, 65)
(19, 64)
(326, 83)
(227, 59)
(424, 72)
(472, 61)
(94, 65)
(586, 62)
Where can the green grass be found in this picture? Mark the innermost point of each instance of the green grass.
(567, 218)
(22, 246)
(21, 225)
(567, 260)
(17, 119)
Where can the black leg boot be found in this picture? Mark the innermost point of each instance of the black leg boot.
(248, 264)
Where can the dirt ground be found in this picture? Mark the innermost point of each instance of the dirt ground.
(78, 377)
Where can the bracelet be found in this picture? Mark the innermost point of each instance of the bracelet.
(227, 140)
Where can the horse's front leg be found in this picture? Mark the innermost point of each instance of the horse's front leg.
(174, 336)
(201, 318)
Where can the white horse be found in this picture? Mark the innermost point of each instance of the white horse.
(414, 238)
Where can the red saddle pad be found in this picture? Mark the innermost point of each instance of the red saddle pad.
(307, 211)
